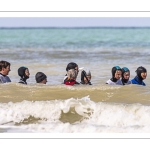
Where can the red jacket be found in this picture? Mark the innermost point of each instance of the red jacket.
(69, 81)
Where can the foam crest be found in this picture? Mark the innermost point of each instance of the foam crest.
(44, 110)
(95, 117)
(121, 115)
(83, 106)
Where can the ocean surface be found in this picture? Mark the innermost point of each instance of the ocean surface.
(57, 108)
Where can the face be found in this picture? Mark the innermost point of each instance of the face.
(44, 81)
(126, 75)
(88, 77)
(27, 73)
(118, 74)
(5, 71)
(143, 75)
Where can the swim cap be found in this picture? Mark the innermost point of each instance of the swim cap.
(71, 65)
(40, 76)
(114, 69)
(21, 71)
(125, 69)
(140, 70)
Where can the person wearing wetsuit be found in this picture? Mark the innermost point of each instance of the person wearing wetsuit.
(4, 71)
(125, 76)
(74, 66)
(23, 72)
(141, 75)
(116, 75)
(85, 77)
(71, 77)
(40, 77)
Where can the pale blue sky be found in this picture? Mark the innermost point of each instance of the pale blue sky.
(75, 22)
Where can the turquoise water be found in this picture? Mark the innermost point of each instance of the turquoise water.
(74, 38)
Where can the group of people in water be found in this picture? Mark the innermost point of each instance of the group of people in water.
(120, 76)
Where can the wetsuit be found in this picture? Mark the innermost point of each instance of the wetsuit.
(138, 80)
(4, 78)
(23, 81)
(126, 82)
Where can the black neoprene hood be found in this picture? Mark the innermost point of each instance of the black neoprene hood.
(140, 70)
(21, 71)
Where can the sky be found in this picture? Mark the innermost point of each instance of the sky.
(74, 22)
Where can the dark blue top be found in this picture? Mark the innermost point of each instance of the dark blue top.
(136, 80)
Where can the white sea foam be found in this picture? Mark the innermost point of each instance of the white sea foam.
(97, 117)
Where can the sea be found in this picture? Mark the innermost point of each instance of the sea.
(58, 108)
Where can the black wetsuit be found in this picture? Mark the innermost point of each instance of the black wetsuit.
(22, 81)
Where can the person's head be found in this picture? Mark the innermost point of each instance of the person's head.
(40, 77)
(116, 72)
(72, 74)
(23, 72)
(125, 73)
(4, 67)
(85, 76)
(141, 72)
(72, 65)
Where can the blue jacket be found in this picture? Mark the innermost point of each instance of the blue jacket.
(136, 80)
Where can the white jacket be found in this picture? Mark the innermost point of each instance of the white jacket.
(114, 83)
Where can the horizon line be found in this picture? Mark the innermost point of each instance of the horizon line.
(84, 27)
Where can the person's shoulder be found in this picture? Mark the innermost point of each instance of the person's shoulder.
(109, 82)
(65, 78)
(4, 79)
(8, 79)
(129, 82)
(133, 81)
(1, 76)
(22, 82)
(119, 82)
(143, 84)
